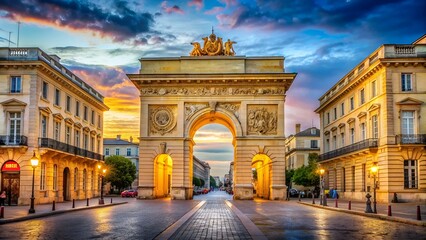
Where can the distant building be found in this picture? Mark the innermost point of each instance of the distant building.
(49, 112)
(375, 116)
(300, 145)
(122, 147)
(231, 174)
(202, 171)
(217, 180)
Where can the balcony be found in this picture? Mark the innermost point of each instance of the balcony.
(60, 146)
(365, 144)
(13, 140)
(410, 139)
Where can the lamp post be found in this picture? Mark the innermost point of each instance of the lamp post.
(102, 175)
(34, 163)
(374, 170)
(322, 186)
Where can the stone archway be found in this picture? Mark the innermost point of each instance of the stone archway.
(180, 95)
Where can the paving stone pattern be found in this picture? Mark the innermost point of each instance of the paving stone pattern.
(215, 220)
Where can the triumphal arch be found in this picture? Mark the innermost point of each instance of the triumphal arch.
(179, 95)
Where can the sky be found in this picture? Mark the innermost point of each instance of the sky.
(102, 40)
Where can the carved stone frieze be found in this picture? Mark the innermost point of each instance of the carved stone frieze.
(191, 108)
(232, 107)
(262, 119)
(210, 91)
(162, 118)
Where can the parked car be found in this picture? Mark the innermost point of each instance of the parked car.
(293, 192)
(129, 193)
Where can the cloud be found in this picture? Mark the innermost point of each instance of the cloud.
(173, 9)
(116, 21)
(214, 11)
(197, 3)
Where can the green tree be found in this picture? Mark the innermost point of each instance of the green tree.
(121, 172)
(196, 181)
(288, 176)
(212, 182)
(254, 174)
(308, 175)
(202, 182)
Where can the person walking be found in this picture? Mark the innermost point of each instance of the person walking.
(2, 197)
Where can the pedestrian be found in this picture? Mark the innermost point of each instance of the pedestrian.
(2, 197)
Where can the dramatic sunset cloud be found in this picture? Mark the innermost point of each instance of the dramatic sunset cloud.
(102, 41)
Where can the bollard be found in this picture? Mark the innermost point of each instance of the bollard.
(1, 212)
(313, 199)
(325, 200)
(419, 216)
(389, 210)
(299, 197)
(87, 200)
(73, 203)
(111, 200)
(349, 205)
(53, 206)
(336, 204)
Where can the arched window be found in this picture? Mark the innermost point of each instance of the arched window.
(43, 176)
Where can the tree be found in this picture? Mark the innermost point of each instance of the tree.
(196, 181)
(121, 172)
(202, 182)
(308, 175)
(288, 176)
(212, 182)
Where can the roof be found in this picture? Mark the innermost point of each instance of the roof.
(308, 133)
(114, 141)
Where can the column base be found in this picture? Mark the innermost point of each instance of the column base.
(278, 192)
(182, 193)
(146, 193)
(243, 192)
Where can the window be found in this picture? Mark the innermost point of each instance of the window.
(343, 180)
(84, 179)
(406, 84)
(68, 135)
(327, 145)
(85, 113)
(92, 117)
(14, 127)
(98, 146)
(77, 138)
(77, 108)
(57, 131)
(117, 151)
(57, 97)
(362, 96)
(335, 113)
(15, 84)
(352, 135)
(68, 106)
(352, 103)
(342, 138)
(43, 126)
(363, 131)
(363, 177)
(407, 122)
(328, 118)
(353, 179)
(129, 151)
(334, 142)
(99, 121)
(43, 176)
(373, 89)
(314, 143)
(85, 141)
(92, 180)
(75, 179)
(375, 126)
(55, 177)
(107, 151)
(410, 174)
(342, 109)
(45, 90)
(92, 144)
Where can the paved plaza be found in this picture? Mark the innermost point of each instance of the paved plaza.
(211, 216)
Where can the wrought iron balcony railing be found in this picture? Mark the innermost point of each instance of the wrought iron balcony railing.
(411, 139)
(56, 145)
(364, 144)
(13, 140)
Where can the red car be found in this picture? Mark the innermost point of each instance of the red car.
(129, 193)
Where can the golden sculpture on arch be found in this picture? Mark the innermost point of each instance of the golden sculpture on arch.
(213, 47)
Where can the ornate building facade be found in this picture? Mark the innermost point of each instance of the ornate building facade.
(49, 112)
(374, 116)
(202, 171)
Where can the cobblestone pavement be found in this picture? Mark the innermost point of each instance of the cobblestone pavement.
(215, 220)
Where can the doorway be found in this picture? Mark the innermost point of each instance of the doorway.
(10, 181)
(66, 185)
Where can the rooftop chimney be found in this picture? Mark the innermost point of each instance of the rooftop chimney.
(297, 128)
(131, 139)
(118, 137)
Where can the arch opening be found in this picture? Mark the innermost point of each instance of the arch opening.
(163, 169)
(262, 175)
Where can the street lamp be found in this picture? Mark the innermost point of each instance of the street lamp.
(374, 170)
(34, 163)
(322, 186)
(102, 175)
